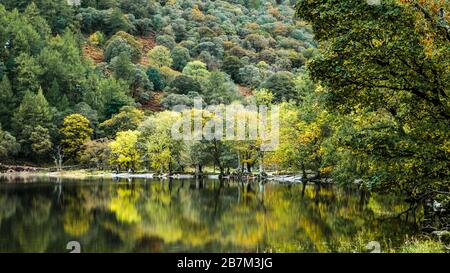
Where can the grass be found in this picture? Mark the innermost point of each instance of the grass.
(78, 173)
(422, 246)
(75, 174)
(419, 244)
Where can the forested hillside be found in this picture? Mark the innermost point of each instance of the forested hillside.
(363, 89)
(97, 57)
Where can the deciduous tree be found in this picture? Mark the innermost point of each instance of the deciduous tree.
(75, 131)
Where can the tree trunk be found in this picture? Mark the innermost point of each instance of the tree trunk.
(261, 167)
(198, 170)
(58, 158)
(239, 160)
(249, 167)
(304, 178)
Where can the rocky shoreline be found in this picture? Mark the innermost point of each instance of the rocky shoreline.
(22, 171)
(291, 178)
(286, 178)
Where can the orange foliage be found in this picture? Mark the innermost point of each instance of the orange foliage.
(244, 91)
(154, 103)
(147, 44)
(92, 52)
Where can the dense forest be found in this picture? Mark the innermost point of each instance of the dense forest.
(363, 90)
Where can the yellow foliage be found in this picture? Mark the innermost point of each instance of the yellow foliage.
(197, 14)
(124, 149)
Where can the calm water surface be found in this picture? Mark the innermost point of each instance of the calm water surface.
(44, 214)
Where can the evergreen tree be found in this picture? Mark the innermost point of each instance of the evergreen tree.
(27, 75)
(8, 144)
(33, 111)
(154, 76)
(180, 56)
(6, 102)
(53, 95)
(40, 140)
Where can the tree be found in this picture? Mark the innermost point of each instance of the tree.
(185, 84)
(179, 29)
(211, 62)
(218, 88)
(106, 95)
(180, 56)
(161, 150)
(387, 67)
(33, 111)
(231, 65)
(97, 39)
(57, 13)
(96, 153)
(210, 47)
(115, 97)
(40, 140)
(172, 100)
(282, 86)
(28, 72)
(85, 110)
(168, 74)
(22, 37)
(62, 61)
(115, 21)
(122, 66)
(257, 42)
(196, 70)
(128, 118)
(263, 97)
(154, 76)
(125, 150)
(140, 8)
(304, 133)
(54, 94)
(159, 56)
(75, 131)
(8, 144)
(253, 4)
(166, 41)
(31, 11)
(118, 46)
(249, 75)
(6, 101)
(197, 155)
(304, 84)
(210, 149)
(133, 74)
(122, 42)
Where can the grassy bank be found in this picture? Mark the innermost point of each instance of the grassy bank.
(71, 174)
(418, 244)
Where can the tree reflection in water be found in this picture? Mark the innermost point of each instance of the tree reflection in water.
(194, 215)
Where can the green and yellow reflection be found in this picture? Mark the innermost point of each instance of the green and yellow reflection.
(199, 216)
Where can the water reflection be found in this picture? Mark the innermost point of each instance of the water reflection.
(193, 216)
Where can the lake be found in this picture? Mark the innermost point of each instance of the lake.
(42, 214)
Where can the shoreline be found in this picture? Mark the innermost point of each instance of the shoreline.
(85, 174)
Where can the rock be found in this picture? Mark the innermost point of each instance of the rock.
(437, 207)
(184, 176)
(442, 235)
(357, 181)
(286, 178)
